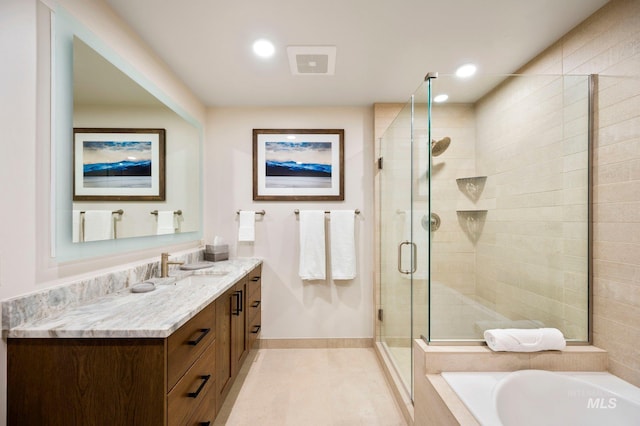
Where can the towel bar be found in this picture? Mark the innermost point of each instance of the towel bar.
(119, 212)
(297, 211)
(178, 212)
(262, 212)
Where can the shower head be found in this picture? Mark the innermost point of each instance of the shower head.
(438, 147)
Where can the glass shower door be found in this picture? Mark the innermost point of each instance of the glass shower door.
(404, 233)
(396, 261)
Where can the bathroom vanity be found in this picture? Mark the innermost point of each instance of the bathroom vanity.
(167, 357)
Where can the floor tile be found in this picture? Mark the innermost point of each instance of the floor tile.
(311, 387)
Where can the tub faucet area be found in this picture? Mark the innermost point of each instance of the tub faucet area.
(164, 264)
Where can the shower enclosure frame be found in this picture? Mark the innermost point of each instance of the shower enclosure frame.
(590, 140)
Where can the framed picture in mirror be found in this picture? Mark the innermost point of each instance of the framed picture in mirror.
(118, 164)
(298, 164)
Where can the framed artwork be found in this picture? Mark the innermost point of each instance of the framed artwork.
(299, 165)
(118, 164)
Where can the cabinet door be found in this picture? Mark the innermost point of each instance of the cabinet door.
(239, 325)
(86, 382)
(224, 372)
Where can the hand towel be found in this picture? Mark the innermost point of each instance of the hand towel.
(247, 228)
(98, 225)
(343, 245)
(166, 223)
(312, 246)
(75, 226)
(525, 340)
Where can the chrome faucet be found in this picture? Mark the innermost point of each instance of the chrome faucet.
(164, 264)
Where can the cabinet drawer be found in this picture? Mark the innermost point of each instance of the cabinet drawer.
(254, 305)
(186, 344)
(255, 280)
(205, 414)
(195, 388)
(254, 329)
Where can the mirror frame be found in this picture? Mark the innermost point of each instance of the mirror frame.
(62, 247)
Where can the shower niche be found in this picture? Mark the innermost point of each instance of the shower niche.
(472, 187)
(472, 220)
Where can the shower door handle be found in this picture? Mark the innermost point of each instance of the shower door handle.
(414, 257)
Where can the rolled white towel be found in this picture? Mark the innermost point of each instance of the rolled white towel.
(525, 340)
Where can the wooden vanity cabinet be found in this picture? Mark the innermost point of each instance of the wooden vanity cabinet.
(179, 380)
(237, 318)
(120, 381)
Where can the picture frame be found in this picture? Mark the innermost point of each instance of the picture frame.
(118, 164)
(298, 164)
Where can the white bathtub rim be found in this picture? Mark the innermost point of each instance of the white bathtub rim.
(480, 402)
(509, 403)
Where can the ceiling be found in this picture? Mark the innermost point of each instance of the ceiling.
(384, 47)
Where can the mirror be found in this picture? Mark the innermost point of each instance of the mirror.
(127, 159)
(108, 107)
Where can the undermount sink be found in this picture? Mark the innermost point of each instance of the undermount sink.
(199, 279)
(195, 266)
(211, 271)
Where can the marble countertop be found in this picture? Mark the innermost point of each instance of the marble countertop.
(155, 314)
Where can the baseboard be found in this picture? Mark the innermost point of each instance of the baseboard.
(329, 343)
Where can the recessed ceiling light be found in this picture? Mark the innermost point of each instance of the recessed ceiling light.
(263, 48)
(466, 70)
(441, 98)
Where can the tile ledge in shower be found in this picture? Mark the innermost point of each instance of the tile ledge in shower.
(436, 359)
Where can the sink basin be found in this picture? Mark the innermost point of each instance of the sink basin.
(211, 271)
(200, 279)
(199, 265)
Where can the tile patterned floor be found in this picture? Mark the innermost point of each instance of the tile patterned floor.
(311, 387)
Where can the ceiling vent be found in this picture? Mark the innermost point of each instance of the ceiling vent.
(312, 60)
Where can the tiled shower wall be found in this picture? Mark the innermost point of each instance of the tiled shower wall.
(532, 253)
(608, 44)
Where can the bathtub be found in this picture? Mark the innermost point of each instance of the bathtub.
(537, 397)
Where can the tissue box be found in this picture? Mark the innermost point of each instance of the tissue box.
(216, 253)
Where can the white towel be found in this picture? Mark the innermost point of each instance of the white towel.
(312, 246)
(166, 224)
(525, 340)
(247, 228)
(98, 225)
(76, 224)
(343, 244)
